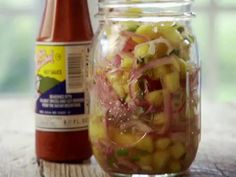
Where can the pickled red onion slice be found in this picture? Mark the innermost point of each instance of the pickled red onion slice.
(152, 64)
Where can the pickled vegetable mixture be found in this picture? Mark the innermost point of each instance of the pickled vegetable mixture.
(145, 100)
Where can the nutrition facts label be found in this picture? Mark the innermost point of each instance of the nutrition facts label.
(61, 101)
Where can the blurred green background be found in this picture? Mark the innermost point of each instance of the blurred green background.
(214, 26)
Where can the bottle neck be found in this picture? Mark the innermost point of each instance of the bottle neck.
(66, 21)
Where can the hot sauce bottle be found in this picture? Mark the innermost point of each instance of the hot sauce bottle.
(61, 70)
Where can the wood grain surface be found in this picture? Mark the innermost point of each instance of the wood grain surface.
(216, 156)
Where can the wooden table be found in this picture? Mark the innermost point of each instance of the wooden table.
(216, 156)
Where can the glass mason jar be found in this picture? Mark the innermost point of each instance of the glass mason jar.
(145, 88)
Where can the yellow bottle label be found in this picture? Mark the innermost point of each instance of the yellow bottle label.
(62, 96)
(51, 61)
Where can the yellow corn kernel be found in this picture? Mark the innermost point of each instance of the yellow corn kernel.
(119, 89)
(159, 119)
(172, 34)
(177, 150)
(155, 98)
(162, 143)
(160, 71)
(125, 77)
(141, 51)
(113, 77)
(160, 160)
(126, 88)
(99, 71)
(96, 129)
(146, 30)
(145, 160)
(127, 63)
(175, 166)
(172, 81)
(145, 144)
(122, 138)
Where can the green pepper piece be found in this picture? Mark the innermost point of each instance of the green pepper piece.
(122, 152)
(135, 158)
(180, 29)
(111, 161)
(175, 52)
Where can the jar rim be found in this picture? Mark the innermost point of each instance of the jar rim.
(127, 3)
(117, 10)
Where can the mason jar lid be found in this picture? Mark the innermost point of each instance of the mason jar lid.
(145, 9)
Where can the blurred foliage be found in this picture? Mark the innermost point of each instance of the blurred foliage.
(18, 32)
(16, 53)
(201, 2)
(226, 2)
(16, 3)
(226, 40)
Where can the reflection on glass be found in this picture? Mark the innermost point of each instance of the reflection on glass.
(200, 28)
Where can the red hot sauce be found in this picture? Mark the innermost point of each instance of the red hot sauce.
(61, 70)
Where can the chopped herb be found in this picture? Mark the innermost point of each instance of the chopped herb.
(180, 29)
(122, 152)
(175, 52)
(191, 38)
(111, 161)
(135, 158)
(141, 86)
(140, 61)
(142, 152)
